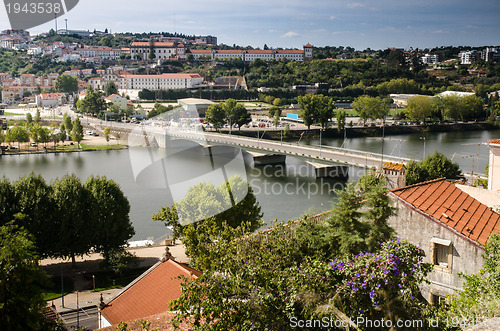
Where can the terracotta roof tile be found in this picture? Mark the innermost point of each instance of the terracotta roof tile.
(448, 204)
(394, 166)
(495, 141)
(150, 293)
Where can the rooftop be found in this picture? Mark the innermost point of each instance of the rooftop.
(447, 204)
(150, 293)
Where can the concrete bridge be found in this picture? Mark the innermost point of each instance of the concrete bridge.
(261, 147)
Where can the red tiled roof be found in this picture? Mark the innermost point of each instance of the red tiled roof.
(454, 208)
(308, 45)
(150, 293)
(156, 44)
(164, 76)
(200, 51)
(289, 51)
(495, 141)
(230, 51)
(258, 51)
(394, 166)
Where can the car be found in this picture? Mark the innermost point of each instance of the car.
(33, 144)
(89, 132)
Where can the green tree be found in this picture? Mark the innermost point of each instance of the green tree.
(68, 125)
(29, 118)
(420, 108)
(214, 209)
(316, 108)
(93, 102)
(34, 201)
(152, 53)
(76, 227)
(34, 133)
(433, 166)
(22, 279)
(18, 134)
(107, 132)
(216, 115)
(110, 88)
(77, 131)
(38, 119)
(44, 136)
(341, 116)
(8, 201)
(66, 83)
(369, 107)
(236, 113)
(110, 215)
(480, 297)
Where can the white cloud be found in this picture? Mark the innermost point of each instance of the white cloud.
(272, 31)
(290, 34)
(332, 18)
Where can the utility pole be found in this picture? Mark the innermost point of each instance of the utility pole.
(66, 20)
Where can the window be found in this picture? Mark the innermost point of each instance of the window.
(437, 300)
(442, 253)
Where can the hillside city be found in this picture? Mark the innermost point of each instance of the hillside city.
(410, 241)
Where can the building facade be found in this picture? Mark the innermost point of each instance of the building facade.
(451, 227)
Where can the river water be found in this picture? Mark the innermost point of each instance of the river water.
(283, 192)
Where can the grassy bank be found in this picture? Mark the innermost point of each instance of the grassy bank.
(62, 149)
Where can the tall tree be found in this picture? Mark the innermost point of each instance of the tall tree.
(419, 108)
(77, 131)
(210, 209)
(93, 102)
(369, 107)
(66, 83)
(216, 115)
(316, 108)
(236, 113)
(68, 125)
(8, 201)
(433, 166)
(110, 88)
(110, 214)
(34, 201)
(152, 53)
(76, 227)
(21, 280)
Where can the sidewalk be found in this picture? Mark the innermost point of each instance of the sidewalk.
(88, 264)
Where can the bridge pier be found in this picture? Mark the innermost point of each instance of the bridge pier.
(330, 171)
(260, 159)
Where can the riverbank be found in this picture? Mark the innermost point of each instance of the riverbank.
(366, 131)
(88, 144)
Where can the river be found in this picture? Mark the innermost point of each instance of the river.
(283, 193)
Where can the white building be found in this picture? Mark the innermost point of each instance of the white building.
(494, 166)
(306, 54)
(163, 50)
(468, 57)
(430, 59)
(50, 99)
(105, 53)
(161, 82)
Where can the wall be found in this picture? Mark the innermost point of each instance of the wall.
(494, 169)
(419, 229)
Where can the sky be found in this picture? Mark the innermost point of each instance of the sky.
(375, 24)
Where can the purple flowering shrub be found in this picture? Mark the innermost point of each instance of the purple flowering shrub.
(255, 288)
(377, 285)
